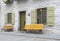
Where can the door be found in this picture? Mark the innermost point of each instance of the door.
(22, 20)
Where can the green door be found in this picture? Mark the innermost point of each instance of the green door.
(22, 20)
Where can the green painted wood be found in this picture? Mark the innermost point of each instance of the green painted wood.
(50, 16)
(13, 18)
(44, 16)
(22, 21)
(5, 19)
(33, 16)
(50, 12)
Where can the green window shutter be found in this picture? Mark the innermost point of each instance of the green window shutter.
(5, 19)
(50, 16)
(33, 16)
(13, 18)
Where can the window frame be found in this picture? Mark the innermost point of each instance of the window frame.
(42, 18)
(9, 18)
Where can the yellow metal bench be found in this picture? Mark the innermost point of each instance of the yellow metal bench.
(35, 27)
(8, 28)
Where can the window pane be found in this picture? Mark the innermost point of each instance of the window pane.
(41, 16)
(44, 15)
(38, 16)
(9, 18)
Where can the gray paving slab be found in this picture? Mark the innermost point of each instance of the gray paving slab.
(4, 37)
(45, 36)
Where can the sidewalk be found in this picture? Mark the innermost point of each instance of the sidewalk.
(44, 36)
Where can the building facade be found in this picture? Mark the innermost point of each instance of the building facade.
(20, 12)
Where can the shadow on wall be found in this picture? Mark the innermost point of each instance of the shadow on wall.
(9, 5)
(40, 0)
(22, 1)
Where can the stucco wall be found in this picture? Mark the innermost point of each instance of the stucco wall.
(28, 5)
(0, 12)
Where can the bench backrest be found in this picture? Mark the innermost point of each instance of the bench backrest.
(34, 27)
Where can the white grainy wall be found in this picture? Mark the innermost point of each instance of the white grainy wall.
(0, 13)
(28, 5)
